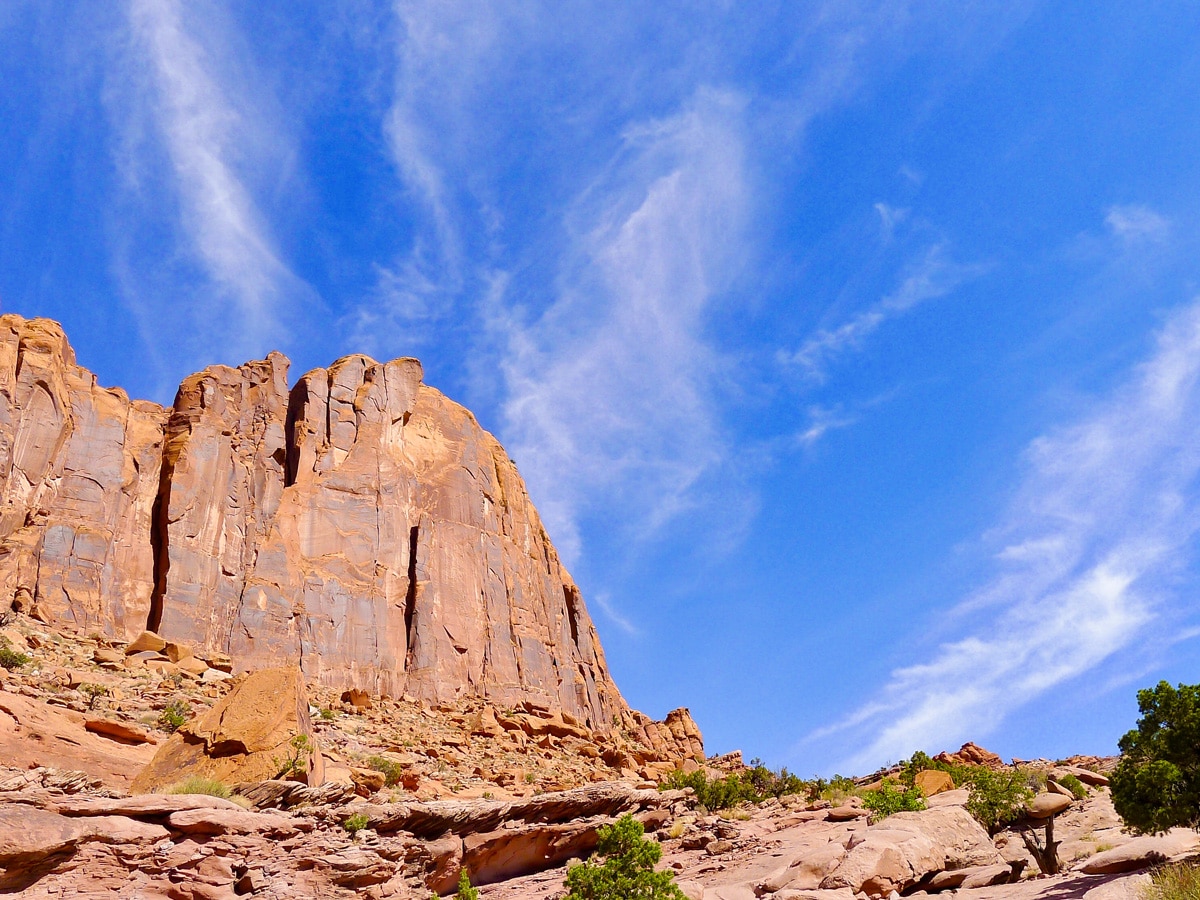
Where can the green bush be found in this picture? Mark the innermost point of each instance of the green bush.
(997, 797)
(627, 872)
(93, 692)
(173, 716)
(465, 891)
(753, 785)
(888, 799)
(197, 784)
(13, 659)
(391, 770)
(1177, 882)
(1156, 785)
(1075, 786)
(295, 763)
(356, 823)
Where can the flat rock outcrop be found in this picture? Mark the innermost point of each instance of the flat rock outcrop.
(360, 525)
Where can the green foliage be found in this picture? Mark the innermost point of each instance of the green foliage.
(997, 797)
(1177, 882)
(753, 785)
(93, 692)
(1156, 785)
(198, 784)
(296, 763)
(888, 799)
(465, 891)
(173, 715)
(392, 771)
(326, 714)
(13, 659)
(1074, 785)
(627, 872)
(356, 823)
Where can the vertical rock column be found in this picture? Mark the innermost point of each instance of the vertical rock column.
(222, 478)
(79, 471)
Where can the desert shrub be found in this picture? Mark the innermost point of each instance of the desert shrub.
(1156, 785)
(173, 716)
(296, 762)
(1177, 882)
(752, 785)
(198, 784)
(325, 713)
(997, 797)
(356, 823)
(888, 799)
(465, 891)
(93, 692)
(1074, 785)
(391, 770)
(13, 659)
(627, 872)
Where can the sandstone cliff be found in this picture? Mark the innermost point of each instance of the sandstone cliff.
(361, 524)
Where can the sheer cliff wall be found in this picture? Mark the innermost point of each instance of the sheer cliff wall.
(360, 524)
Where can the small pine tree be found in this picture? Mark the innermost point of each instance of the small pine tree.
(627, 872)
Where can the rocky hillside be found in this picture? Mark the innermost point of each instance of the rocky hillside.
(360, 525)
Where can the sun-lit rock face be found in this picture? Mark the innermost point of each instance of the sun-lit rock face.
(79, 475)
(360, 524)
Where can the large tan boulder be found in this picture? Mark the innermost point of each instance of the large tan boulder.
(247, 736)
(512, 852)
(1047, 804)
(933, 781)
(1142, 852)
(905, 847)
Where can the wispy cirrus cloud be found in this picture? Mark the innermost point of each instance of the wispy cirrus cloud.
(931, 277)
(187, 100)
(610, 391)
(1136, 223)
(1103, 520)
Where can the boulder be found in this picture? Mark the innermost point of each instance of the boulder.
(122, 732)
(1131, 887)
(905, 847)
(1142, 852)
(358, 699)
(247, 736)
(957, 797)
(512, 852)
(1047, 804)
(1087, 776)
(933, 781)
(970, 877)
(146, 642)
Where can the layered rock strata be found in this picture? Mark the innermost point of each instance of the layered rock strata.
(361, 524)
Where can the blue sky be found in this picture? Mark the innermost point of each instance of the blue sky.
(851, 350)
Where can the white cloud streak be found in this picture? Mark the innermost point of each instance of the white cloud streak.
(932, 277)
(206, 132)
(611, 390)
(1136, 224)
(1102, 522)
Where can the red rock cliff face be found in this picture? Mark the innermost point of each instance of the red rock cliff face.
(361, 524)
